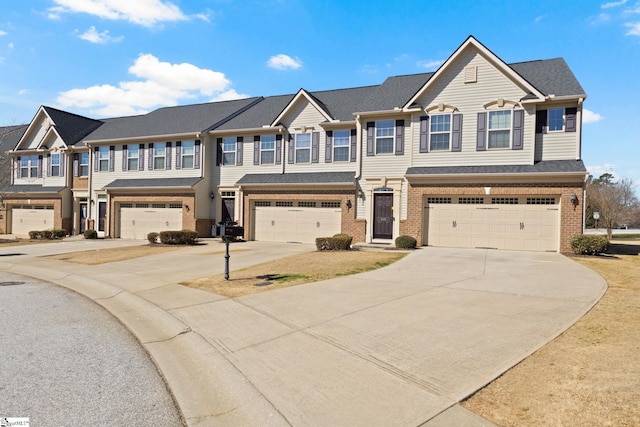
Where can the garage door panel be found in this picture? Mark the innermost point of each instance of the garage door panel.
(295, 224)
(25, 220)
(136, 223)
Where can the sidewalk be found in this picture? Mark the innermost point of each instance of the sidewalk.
(401, 345)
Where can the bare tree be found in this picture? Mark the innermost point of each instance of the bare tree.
(615, 200)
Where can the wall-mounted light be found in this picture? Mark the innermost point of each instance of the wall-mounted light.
(212, 195)
(348, 203)
(187, 208)
(574, 200)
(360, 195)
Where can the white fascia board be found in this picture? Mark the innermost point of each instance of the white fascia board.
(167, 137)
(398, 111)
(41, 111)
(466, 176)
(301, 93)
(262, 129)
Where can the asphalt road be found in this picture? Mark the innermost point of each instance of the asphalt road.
(65, 361)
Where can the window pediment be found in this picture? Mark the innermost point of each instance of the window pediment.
(441, 108)
(501, 104)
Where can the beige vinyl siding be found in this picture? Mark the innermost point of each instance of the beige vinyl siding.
(390, 165)
(230, 174)
(469, 99)
(556, 146)
(32, 142)
(303, 113)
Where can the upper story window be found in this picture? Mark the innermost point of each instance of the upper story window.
(440, 132)
(133, 157)
(187, 154)
(29, 166)
(267, 149)
(54, 164)
(341, 143)
(159, 154)
(556, 120)
(303, 148)
(103, 158)
(84, 164)
(499, 129)
(229, 151)
(384, 136)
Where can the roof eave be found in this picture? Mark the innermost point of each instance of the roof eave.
(90, 142)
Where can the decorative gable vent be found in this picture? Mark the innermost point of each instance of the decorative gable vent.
(471, 74)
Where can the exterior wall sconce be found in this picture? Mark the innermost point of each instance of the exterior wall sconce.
(360, 195)
(212, 195)
(187, 208)
(348, 203)
(574, 200)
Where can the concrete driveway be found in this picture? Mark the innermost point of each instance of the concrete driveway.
(396, 346)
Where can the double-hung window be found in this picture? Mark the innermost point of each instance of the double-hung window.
(29, 167)
(103, 158)
(159, 155)
(556, 120)
(499, 129)
(133, 157)
(54, 164)
(384, 136)
(440, 132)
(267, 149)
(84, 164)
(341, 143)
(303, 148)
(229, 151)
(187, 152)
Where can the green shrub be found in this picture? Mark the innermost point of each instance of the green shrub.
(333, 243)
(153, 237)
(406, 242)
(182, 237)
(341, 236)
(90, 234)
(47, 234)
(58, 233)
(35, 235)
(589, 244)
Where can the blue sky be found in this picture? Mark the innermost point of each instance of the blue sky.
(106, 58)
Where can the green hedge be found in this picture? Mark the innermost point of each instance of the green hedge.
(342, 243)
(153, 237)
(589, 244)
(406, 242)
(47, 234)
(90, 234)
(182, 237)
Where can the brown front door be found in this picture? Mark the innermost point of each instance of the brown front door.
(228, 208)
(383, 216)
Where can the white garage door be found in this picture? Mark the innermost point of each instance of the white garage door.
(136, 222)
(516, 223)
(25, 220)
(295, 221)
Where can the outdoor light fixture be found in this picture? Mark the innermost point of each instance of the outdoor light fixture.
(187, 208)
(212, 195)
(574, 200)
(349, 205)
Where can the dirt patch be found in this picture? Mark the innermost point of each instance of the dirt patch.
(588, 376)
(23, 242)
(294, 270)
(105, 256)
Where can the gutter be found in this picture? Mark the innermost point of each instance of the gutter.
(177, 136)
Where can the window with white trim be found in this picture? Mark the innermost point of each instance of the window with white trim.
(303, 148)
(440, 132)
(555, 121)
(54, 164)
(187, 153)
(384, 136)
(29, 167)
(229, 151)
(267, 149)
(103, 158)
(159, 155)
(499, 129)
(341, 144)
(133, 156)
(84, 164)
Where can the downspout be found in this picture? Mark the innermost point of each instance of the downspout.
(91, 203)
(284, 147)
(579, 129)
(359, 147)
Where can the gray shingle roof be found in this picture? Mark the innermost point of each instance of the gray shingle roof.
(153, 183)
(10, 136)
(298, 178)
(550, 76)
(261, 114)
(342, 103)
(71, 127)
(395, 92)
(34, 189)
(548, 166)
(171, 120)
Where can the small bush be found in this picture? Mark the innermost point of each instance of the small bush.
(35, 235)
(333, 243)
(59, 233)
(182, 237)
(342, 236)
(47, 234)
(584, 244)
(406, 242)
(153, 237)
(90, 234)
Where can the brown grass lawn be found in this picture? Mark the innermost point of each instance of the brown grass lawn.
(22, 242)
(294, 270)
(104, 256)
(588, 376)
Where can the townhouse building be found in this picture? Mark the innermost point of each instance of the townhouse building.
(480, 153)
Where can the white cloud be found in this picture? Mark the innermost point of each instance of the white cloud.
(10, 45)
(284, 62)
(93, 36)
(598, 170)
(634, 29)
(142, 12)
(430, 64)
(229, 95)
(613, 4)
(539, 18)
(160, 84)
(589, 116)
(3, 33)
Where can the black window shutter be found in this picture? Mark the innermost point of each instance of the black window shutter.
(354, 145)
(62, 162)
(541, 121)
(518, 130)
(481, 138)
(256, 149)
(76, 164)
(112, 158)
(141, 157)
(48, 164)
(315, 147)
(218, 151)
(178, 154)
(328, 146)
(278, 149)
(424, 134)
(18, 167)
(239, 152)
(40, 166)
(456, 133)
(371, 129)
(167, 161)
(96, 160)
(399, 137)
(196, 155)
(125, 156)
(570, 117)
(151, 156)
(291, 155)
